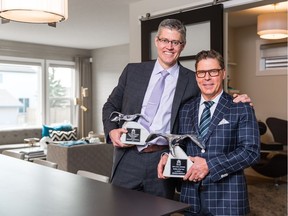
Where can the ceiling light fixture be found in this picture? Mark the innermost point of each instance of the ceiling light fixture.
(34, 11)
(272, 25)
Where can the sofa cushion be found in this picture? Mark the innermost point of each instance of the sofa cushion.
(63, 135)
(46, 129)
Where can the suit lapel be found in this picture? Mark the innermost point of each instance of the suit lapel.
(179, 92)
(221, 109)
(195, 120)
(145, 75)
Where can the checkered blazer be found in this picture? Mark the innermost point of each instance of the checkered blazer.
(232, 144)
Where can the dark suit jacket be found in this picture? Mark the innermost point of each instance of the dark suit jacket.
(232, 144)
(127, 97)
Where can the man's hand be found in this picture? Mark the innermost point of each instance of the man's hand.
(161, 165)
(244, 98)
(198, 170)
(115, 136)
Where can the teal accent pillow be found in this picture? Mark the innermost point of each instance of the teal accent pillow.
(46, 129)
(63, 128)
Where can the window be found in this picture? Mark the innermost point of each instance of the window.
(20, 83)
(60, 92)
(272, 58)
(25, 105)
(28, 90)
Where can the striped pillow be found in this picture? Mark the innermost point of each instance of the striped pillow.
(63, 135)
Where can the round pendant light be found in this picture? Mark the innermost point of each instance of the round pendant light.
(34, 11)
(272, 26)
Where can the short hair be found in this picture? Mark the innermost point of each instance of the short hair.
(173, 24)
(212, 54)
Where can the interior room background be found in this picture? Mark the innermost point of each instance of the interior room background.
(269, 93)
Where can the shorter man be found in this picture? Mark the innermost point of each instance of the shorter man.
(215, 184)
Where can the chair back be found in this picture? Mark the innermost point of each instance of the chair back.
(278, 128)
(93, 176)
(262, 127)
(45, 163)
(10, 153)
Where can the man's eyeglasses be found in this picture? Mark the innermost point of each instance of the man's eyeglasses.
(166, 42)
(212, 73)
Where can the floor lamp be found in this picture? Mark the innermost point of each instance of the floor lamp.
(81, 102)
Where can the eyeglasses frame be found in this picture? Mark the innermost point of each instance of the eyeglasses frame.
(209, 72)
(166, 42)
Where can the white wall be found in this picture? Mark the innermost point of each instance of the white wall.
(107, 66)
(269, 93)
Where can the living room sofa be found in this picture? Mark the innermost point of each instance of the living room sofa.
(14, 138)
(96, 158)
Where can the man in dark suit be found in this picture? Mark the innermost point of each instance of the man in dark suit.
(215, 184)
(136, 168)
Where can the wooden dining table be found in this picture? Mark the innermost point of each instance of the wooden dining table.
(29, 189)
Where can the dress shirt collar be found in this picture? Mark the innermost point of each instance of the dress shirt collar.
(172, 70)
(215, 100)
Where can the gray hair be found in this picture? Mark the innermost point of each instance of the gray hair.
(173, 24)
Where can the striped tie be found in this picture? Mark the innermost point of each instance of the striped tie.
(205, 118)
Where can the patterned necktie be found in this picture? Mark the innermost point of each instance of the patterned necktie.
(154, 101)
(205, 118)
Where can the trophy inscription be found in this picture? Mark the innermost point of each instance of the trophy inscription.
(136, 134)
(178, 167)
(178, 162)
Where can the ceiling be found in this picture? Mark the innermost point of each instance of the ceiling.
(91, 24)
(246, 17)
(94, 24)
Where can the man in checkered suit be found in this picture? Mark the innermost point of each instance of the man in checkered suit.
(215, 184)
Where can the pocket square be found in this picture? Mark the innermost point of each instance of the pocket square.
(223, 121)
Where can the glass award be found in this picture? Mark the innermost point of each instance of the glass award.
(136, 134)
(177, 165)
(178, 162)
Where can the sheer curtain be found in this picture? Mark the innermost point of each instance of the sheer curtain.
(83, 68)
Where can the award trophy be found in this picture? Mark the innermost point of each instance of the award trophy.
(136, 134)
(178, 162)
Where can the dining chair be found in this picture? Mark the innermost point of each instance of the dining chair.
(273, 156)
(93, 176)
(45, 163)
(10, 153)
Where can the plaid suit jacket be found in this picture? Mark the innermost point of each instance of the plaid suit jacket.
(232, 144)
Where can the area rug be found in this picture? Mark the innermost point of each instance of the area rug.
(267, 200)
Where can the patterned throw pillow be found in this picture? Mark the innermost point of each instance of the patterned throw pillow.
(63, 135)
(46, 130)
